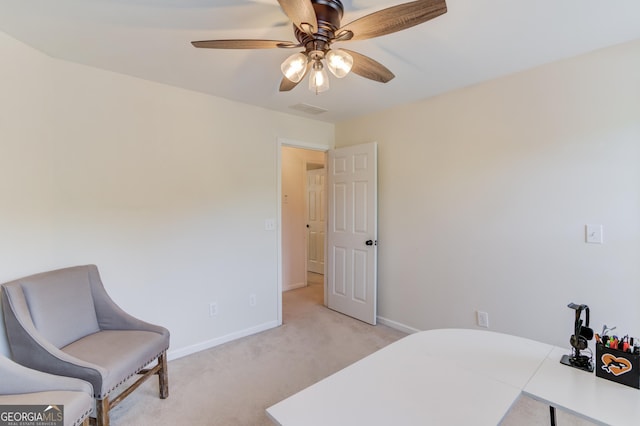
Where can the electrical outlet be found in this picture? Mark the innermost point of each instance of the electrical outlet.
(213, 309)
(253, 301)
(483, 319)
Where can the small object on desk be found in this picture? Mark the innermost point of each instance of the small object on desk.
(606, 330)
(579, 341)
(625, 343)
(618, 366)
(582, 362)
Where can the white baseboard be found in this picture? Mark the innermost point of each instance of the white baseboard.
(208, 344)
(397, 325)
(181, 352)
(293, 286)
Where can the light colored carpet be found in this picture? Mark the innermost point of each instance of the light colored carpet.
(233, 384)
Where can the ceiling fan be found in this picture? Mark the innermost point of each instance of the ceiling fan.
(316, 25)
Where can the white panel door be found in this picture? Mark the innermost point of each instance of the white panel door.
(352, 232)
(316, 220)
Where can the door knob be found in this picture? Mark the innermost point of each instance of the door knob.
(369, 242)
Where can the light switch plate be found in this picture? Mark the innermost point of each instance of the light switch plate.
(593, 234)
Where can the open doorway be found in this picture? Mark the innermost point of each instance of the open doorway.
(351, 212)
(303, 217)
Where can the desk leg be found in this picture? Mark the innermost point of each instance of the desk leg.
(552, 415)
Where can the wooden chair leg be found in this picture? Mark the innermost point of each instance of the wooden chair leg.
(102, 412)
(163, 376)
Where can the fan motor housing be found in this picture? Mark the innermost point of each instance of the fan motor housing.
(328, 14)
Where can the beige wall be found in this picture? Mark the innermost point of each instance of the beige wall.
(166, 190)
(484, 194)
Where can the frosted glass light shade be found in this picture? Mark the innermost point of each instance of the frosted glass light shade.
(319, 79)
(339, 62)
(295, 67)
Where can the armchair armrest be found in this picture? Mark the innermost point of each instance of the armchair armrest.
(17, 379)
(110, 315)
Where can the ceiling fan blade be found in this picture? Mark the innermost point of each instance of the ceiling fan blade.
(393, 19)
(366, 67)
(301, 13)
(244, 44)
(286, 84)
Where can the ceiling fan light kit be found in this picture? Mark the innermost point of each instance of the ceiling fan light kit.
(339, 62)
(295, 67)
(319, 79)
(316, 25)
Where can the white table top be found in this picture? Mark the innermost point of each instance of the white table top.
(503, 357)
(456, 377)
(583, 393)
(424, 378)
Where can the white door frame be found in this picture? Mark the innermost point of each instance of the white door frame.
(295, 144)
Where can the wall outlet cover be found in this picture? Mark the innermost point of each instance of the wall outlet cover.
(483, 319)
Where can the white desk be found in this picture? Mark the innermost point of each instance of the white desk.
(456, 377)
(425, 378)
(584, 394)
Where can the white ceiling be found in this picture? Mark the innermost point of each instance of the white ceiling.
(476, 40)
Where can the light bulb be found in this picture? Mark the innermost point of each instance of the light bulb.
(295, 67)
(339, 62)
(319, 79)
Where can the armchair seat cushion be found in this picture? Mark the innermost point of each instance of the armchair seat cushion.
(77, 405)
(117, 351)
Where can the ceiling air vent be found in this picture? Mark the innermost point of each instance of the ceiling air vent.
(309, 109)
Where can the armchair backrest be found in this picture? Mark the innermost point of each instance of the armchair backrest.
(60, 303)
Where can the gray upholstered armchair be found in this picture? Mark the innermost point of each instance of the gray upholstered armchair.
(64, 323)
(23, 386)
